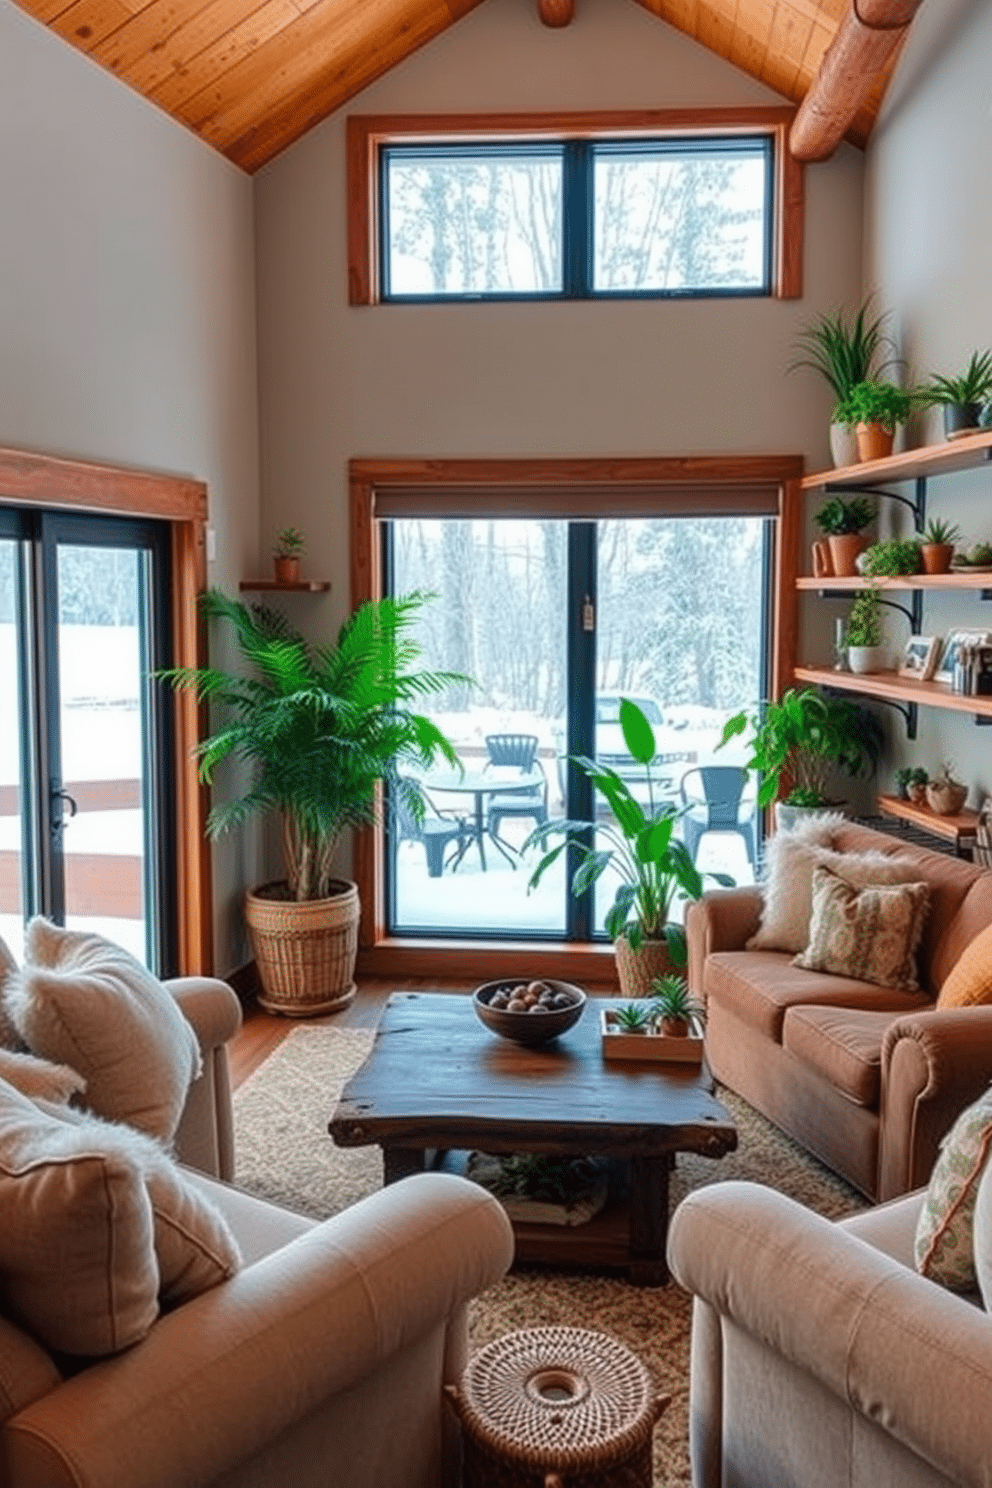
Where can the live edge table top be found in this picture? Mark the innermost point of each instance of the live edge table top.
(437, 1077)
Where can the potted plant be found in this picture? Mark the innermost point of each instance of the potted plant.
(961, 397)
(937, 548)
(945, 794)
(917, 787)
(320, 728)
(638, 844)
(842, 522)
(903, 777)
(863, 636)
(798, 742)
(844, 353)
(892, 558)
(674, 1007)
(874, 409)
(289, 544)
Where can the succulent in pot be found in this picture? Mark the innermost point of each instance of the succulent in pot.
(902, 778)
(961, 397)
(674, 1007)
(917, 786)
(945, 794)
(937, 547)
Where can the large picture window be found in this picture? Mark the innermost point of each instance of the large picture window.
(653, 205)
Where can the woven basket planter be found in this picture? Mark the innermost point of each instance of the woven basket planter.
(638, 969)
(304, 949)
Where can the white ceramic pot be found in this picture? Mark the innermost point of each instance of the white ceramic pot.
(843, 445)
(867, 658)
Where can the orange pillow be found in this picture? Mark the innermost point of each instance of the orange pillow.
(970, 980)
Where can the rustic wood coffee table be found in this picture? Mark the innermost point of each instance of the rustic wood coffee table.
(437, 1082)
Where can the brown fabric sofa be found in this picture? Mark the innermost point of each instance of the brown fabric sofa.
(321, 1361)
(820, 1357)
(867, 1078)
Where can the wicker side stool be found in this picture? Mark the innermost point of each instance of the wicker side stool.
(556, 1408)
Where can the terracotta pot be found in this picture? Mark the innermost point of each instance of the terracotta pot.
(675, 1027)
(844, 549)
(936, 557)
(305, 950)
(947, 798)
(287, 570)
(822, 565)
(874, 441)
(636, 970)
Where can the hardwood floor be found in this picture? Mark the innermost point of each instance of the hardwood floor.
(263, 1032)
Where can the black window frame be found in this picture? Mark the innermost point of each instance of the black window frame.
(578, 156)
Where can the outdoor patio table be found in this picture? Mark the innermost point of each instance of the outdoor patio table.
(482, 783)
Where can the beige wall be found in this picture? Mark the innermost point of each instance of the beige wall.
(928, 226)
(127, 326)
(634, 377)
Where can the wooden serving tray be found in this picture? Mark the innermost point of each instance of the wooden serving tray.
(649, 1046)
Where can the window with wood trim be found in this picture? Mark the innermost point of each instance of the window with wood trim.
(652, 205)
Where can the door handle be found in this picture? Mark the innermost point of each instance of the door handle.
(58, 818)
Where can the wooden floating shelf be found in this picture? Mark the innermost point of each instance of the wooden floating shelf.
(898, 689)
(960, 829)
(931, 459)
(934, 582)
(302, 586)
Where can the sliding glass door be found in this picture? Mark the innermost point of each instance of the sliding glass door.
(85, 814)
(554, 621)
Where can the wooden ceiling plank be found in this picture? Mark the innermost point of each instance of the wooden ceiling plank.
(714, 28)
(145, 34)
(319, 52)
(89, 22)
(752, 28)
(787, 46)
(190, 76)
(258, 145)
(45, 11)
(204, 28)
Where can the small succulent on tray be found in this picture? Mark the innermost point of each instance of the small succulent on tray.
(634, 1017)
(674, 1006)
(980, 555)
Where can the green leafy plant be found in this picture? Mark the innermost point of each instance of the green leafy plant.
(289, 543)
(802, 738)
(864, 621)
(844, 352)
(653, 865)
(633, 1017)
(892, 557)
(973, 386)
(979, 554)
(940, 532)
(876, 403)
(838, 516)
(548, 1180)
(671, 999)
(918, 776)
(318, 726)
(903, 777)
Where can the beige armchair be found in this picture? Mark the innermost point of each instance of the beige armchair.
(820, 1357)
(322, 1361)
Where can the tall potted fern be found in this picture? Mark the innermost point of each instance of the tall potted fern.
(320, 728)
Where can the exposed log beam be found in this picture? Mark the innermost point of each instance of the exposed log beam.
(868, 34)
(556, 12)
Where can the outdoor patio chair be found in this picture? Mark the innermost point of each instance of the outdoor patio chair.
(714, 805)
(516, 751)
(436, 832)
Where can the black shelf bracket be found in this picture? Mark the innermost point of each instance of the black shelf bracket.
(909, 711)
(917, 505)
(913, 611)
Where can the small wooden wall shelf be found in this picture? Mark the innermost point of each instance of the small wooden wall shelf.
(915, 464)
(959, 829)
(302, 586)
(898, 689)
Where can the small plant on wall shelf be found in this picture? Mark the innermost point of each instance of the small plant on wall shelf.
(289, 545)
(891, 558)
(839, 518)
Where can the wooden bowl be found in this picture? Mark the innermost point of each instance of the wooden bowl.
(529, 1028)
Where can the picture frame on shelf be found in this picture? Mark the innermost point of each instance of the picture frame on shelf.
(919, 659)
(952, 644)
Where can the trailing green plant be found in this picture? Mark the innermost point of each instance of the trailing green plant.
(289, 543)
(802, 738)
(838, 516)
(940, 532)
(653, 865)
(671, 998)
(864, 622)
(318, 726)
(974, 385)
(876, 403)
(844, 352)
(893, 556)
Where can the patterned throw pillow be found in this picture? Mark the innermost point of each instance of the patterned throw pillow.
(944, 1247)
(870, 933)
(970, 979)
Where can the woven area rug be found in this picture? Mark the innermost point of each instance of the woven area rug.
(283, 1153)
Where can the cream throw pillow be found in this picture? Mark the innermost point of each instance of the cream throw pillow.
(944, 1248)
(99, 1229)
(82, 1001)
(870, 934)
(787, 880)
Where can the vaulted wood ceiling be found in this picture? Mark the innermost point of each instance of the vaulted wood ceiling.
(251, 76)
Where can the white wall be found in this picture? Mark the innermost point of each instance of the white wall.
(127, 315)
(632, 378)
(928, 226)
